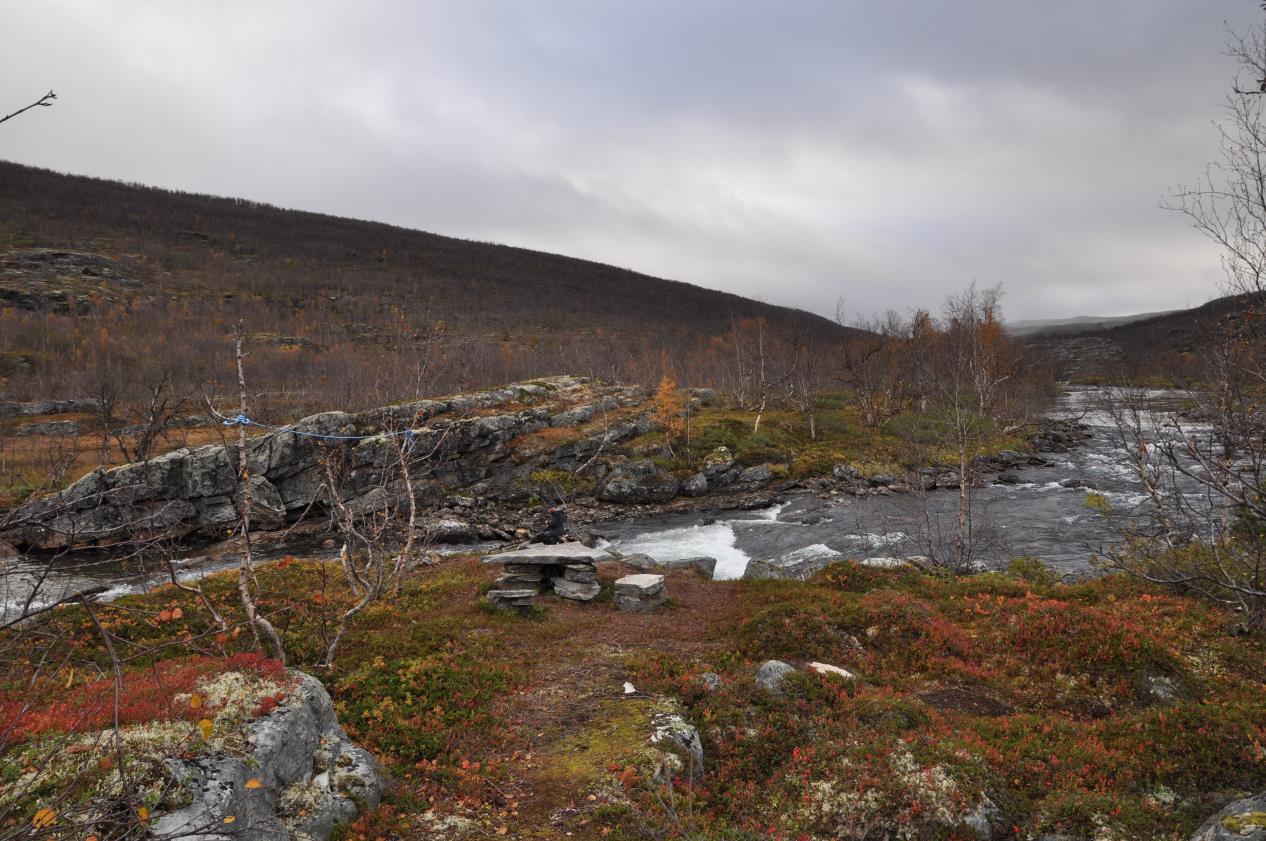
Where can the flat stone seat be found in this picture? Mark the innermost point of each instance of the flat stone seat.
(540, 553)
(641, 584)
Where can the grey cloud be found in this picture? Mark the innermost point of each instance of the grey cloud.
(888, 153)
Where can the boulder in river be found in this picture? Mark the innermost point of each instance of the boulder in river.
(798, 564)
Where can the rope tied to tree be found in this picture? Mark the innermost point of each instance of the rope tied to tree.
(242, 420)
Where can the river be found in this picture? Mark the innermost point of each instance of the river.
(1039, 516)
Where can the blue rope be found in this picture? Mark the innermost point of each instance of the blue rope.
(243, 420)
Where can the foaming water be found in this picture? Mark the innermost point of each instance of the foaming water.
(716, 540)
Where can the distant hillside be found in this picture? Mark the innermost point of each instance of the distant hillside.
(332, 303)
(218, 244)
(1166, 345)
(1080, 323)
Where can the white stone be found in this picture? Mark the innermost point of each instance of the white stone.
(885, 563)
(828, 669)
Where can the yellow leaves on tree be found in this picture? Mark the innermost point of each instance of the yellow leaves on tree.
(669, 410)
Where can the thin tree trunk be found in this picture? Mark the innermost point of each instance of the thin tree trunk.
(246, 568)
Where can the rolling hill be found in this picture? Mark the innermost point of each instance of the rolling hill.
(94, 270)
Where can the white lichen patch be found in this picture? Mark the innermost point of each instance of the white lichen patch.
(446, 826)
(234, 696)
(1204, 663)
(298, 800)
(832, 803)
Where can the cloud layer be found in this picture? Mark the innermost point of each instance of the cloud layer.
(886, 153)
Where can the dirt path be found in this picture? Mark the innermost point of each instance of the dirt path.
(570, 728)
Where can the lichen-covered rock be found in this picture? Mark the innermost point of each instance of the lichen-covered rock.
(696, 485)
(844, 472)
(299, 777)
(680, 737)
(1243, 820)
(987, 821)
(190, 491)
(1154, 689)
(717, 462)
(755, 477)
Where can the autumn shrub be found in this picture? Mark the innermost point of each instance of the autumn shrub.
(910, 635)
(1032, 570)
(154, 694)
(857, 578)
(792, 631)
(414, 709)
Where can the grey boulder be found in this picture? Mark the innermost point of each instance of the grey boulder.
(772, 673)
(299, 754)
(696, 485)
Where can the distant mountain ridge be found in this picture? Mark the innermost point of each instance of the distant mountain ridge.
(1078, 323)
(1166, 345)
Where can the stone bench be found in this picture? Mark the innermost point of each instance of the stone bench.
(568, 570)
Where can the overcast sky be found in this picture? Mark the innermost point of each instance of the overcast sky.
(886, 152)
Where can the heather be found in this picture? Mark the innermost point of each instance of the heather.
(1038, 698)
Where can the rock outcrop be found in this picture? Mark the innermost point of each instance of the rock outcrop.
(638, 481)
(772, 673)
(462, 443)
